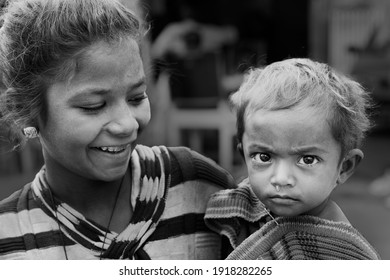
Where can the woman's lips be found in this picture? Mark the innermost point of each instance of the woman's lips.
(112, 149)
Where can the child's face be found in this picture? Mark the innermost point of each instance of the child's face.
(292, 159)
(94, 118)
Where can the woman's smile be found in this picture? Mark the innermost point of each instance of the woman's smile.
(116, 154)
(113, 149)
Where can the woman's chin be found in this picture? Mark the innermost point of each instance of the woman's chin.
(112, 174)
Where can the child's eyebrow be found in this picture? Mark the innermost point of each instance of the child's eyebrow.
(261, 146)
(308, 149)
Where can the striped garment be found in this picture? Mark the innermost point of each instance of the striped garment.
(284, 238)
(170, 190)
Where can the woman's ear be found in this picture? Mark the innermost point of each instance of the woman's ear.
(349, 164)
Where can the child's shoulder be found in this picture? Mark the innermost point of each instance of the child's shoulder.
(334, 213)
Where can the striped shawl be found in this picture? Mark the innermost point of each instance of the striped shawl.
(170, 189)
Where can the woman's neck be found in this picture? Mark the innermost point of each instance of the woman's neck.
(96, 200)
(74, 189)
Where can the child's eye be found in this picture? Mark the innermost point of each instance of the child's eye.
(308, 160)
(261, 157)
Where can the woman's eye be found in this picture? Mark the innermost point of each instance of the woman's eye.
(138, 98)
(261, 157)
(92, 108)
(308, 160)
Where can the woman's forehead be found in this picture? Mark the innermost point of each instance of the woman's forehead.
(127, 47)
(94, 59)
(103, 68)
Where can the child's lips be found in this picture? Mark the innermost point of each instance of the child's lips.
(283, 199)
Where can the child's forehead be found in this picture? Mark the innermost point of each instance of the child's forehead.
(298, 111)
(289, 129)
(289, 120)
(281, 95)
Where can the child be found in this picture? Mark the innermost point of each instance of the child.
(299, 126)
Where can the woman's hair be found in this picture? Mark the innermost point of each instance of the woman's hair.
(40, 43)
(303, 82)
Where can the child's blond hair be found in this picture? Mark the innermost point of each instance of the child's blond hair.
(294, 82)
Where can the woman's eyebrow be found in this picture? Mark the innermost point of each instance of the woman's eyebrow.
(88, 92)
(104, 91)
(141, 82)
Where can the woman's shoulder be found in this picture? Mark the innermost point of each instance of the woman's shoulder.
(183, 155)
(185, 165)
(236, 203)
(13, 202)
(195, 165)
(10, 210)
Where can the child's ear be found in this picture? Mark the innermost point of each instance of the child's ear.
(240, 150)
(349, 164)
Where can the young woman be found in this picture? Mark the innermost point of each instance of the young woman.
(75, 79)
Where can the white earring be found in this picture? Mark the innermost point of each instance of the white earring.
(30, 132)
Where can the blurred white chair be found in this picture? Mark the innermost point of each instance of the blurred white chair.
(196, 119)
(220, 119)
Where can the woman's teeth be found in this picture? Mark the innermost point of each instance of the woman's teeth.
(112, 149)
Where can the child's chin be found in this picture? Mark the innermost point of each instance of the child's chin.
(283, 213)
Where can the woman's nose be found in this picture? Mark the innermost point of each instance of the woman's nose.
(283, 174)
(123, 122)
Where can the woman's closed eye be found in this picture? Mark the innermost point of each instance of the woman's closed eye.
(138, 99)
(308, 160)
(92, 107)
(96, 107)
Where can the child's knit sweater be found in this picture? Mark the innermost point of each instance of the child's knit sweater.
(291, 238)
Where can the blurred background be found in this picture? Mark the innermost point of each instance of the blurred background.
(191, 79)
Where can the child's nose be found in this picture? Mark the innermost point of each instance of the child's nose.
(283, 175)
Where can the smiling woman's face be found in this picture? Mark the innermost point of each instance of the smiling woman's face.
(94, 118)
